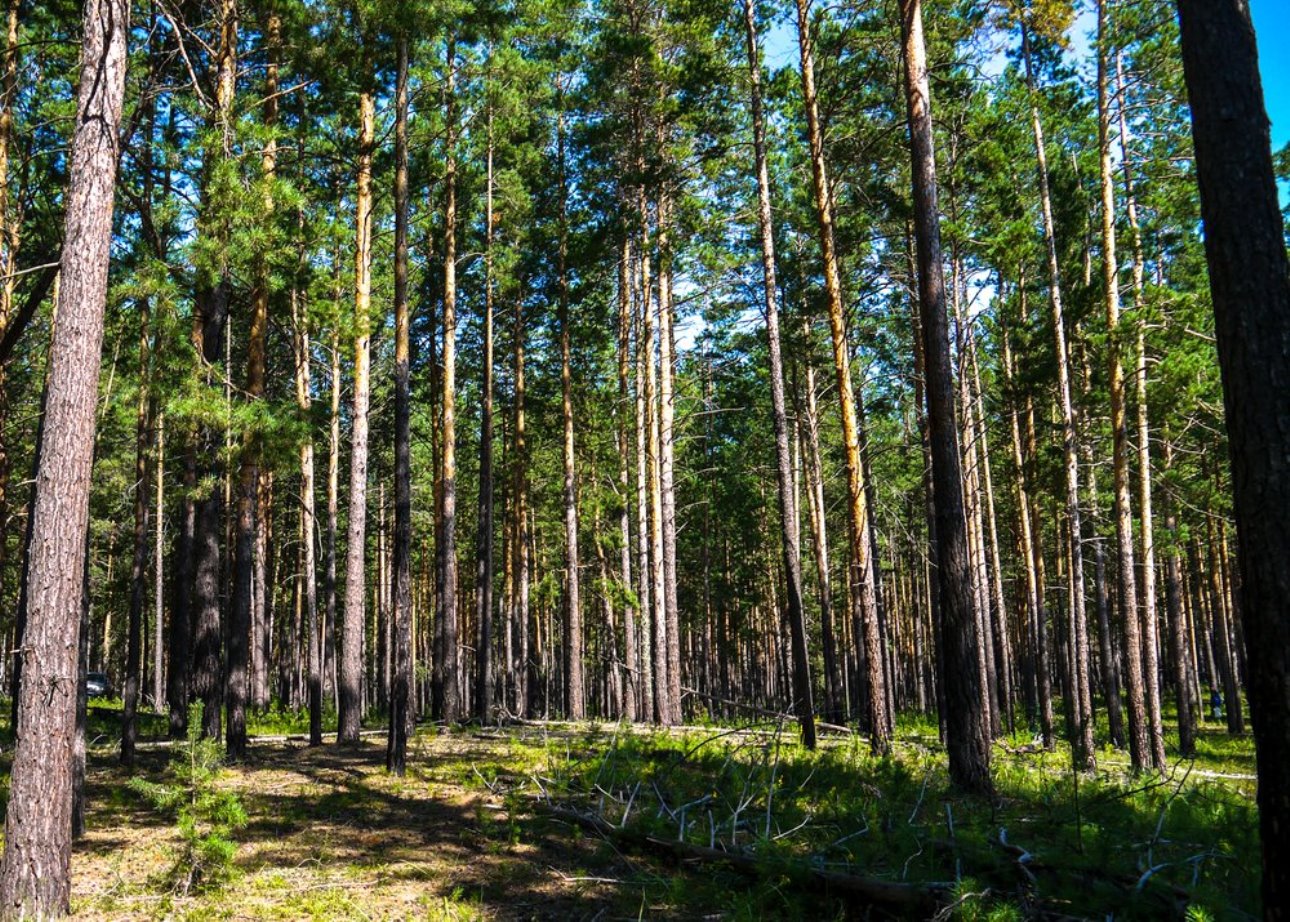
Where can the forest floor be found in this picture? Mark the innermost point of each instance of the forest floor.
(558, 821)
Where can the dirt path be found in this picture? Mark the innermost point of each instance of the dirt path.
(332, 836)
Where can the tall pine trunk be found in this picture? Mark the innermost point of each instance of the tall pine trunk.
(484, 554)
(1146, 742)
(241, 622)
(446, 665)
(1082, 732)
(802, 700)
(401, 702)
(967, 731)
(351, 635)
(35, 872)
(862, 567)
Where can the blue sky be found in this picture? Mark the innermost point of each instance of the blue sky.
(1272, 26)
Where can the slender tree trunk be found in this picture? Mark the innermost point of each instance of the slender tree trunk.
(632, 691)
(802, 701)
(1223, 633)
(35, 872)
(1146, 742)
(328, 638)
(1180, 646)
(1150, 630)
(351, 645)
(142, 504)
(862, 568)
(308, 561)
(158, 562)
(644, 465)
(402, 714)
(1083, 751)
(1004, 655)
(520, 548)
(667, 453)
(139, 564)
(834, 695)
(241, 622)
(575, 707)
(484, 567)
(449, 672)
(1110, 662)
(968, 740)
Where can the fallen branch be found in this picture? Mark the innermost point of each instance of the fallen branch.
(909, 900)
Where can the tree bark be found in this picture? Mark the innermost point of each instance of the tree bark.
(35, 872)
(351, 640)
(632, 691)
(402, 713)
(447, 666)
(1146, 742)
(803, 703)
(241, 621)
(1250, 285)
(862, 565)
(1082, 742)
(967, 733)
(484, 556)
(667, 452)
(575, 706)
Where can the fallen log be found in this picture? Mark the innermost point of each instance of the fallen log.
(898, 899)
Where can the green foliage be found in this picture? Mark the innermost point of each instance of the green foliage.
(206, 816)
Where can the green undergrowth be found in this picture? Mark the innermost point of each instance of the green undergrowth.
(1051, 841)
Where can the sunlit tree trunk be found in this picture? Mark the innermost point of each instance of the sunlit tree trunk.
(1083, 731)
(575, 706)
(802, 700)
(351, 634)
(861, 568)
(632, 691)
(1146, 742)
(35, 872)
(447, 664)
(667, 455)
(484, 545)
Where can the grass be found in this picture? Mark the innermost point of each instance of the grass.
(470, 832)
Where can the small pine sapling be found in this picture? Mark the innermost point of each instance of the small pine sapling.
(207, 817)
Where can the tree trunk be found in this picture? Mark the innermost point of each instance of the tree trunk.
(667, 453)
(834, 695)
(1179, 646)
(241, 622)
(35, 872)
(802, 700)
(520, 545)
(862, 569)
(1250, 284)
(402, 719)
(575, 707)
(139, 563)
(484, 566)
(632, 691)
(158, 562)
(1146, 742)
(447, 667)
(968, 740)
(351, 639)
(1082, 741)
(644, 466)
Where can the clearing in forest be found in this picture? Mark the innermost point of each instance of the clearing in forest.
(597, 821)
